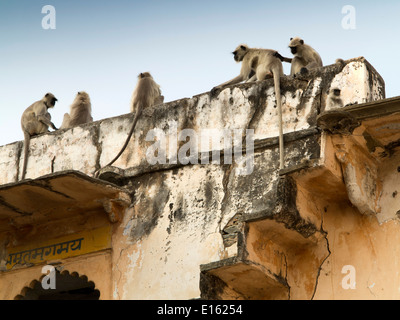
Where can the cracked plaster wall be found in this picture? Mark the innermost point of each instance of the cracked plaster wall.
(179, 217)
(249, 106)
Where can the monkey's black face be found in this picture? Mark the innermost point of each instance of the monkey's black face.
(235, 56)
(336, 92)
(293, 50)
(53, 101)
(238, 56)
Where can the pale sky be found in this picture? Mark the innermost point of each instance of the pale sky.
(101, 46)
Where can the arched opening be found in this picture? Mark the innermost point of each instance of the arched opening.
(67, 287)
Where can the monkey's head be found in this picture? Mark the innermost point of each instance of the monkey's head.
(335, 92)
(144, 75)
(82, 96)
(50, 100)
(295, 45)
(240, 52)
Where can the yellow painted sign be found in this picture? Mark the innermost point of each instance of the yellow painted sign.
(60, 248)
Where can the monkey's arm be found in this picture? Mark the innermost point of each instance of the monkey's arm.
(253, 78)
(45, 120)
(41, 114)
(283, 59)
(48, 116)
(235, 80)
(244, 74)
(53, 126)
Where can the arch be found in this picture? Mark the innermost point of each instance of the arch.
(69, 286)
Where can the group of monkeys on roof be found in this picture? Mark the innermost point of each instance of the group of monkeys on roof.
(257, 64)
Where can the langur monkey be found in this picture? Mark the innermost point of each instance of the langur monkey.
(264, 63)
(257, 64)
(80, 111)
(334, 100)
(305, 57)
(36, 120)
(146, 94)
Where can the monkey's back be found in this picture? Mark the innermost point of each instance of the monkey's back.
(264, 59)
(81, 112)
(145, 94)
(29, 121)
(263, 56)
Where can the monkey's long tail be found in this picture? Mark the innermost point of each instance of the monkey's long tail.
(139, 112)
(27, 140)
(279, 106)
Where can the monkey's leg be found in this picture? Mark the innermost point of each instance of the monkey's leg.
(159, 100)
(66, 121)
(262, 72)
(312, 66)
(253, 78)
(235, 80)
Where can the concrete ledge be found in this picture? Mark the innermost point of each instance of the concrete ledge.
(70, 192)
(250, 281)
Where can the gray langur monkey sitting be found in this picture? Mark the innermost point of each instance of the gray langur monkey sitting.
(305, 57)
(147, 93)
(80, 111)
(36, 120)
(334, 100)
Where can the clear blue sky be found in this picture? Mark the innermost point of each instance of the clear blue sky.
(101, 46)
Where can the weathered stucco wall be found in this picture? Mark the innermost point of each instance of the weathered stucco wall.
(206, 229)
(86, 148)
